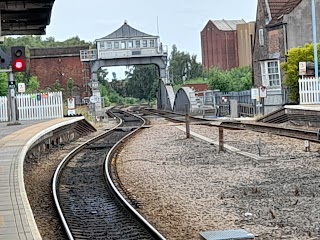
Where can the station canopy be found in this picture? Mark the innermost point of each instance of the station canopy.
(25, 17)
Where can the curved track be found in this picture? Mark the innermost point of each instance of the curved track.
(88, 202)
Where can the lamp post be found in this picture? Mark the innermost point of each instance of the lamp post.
(315, 45)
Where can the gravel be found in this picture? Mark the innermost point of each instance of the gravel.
(184, 186)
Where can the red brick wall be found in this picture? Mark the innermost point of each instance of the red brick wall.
(60, 64)
(219, 48)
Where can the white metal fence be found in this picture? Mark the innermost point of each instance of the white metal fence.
(3, 109)
(39, 106)
(309, 91)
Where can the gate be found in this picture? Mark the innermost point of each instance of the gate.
(309, 91)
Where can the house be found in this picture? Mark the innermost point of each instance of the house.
(280, 26)
(219, 44)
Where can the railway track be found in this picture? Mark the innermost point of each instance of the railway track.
(88, 201)
(313, 136)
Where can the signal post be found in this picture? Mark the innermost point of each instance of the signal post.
(18, 64)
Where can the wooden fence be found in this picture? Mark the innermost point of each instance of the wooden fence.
(309, 91)
(39, 106)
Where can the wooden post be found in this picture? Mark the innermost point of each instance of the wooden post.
(187, 121)
(221, 148)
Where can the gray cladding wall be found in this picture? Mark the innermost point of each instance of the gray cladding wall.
(299, 24)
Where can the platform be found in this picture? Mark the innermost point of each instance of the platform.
(16, 217)
(305, 115)
(314, 107)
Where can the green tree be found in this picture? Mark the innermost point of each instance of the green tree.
(182, 66)
(3, 84)
(234, 80)
(114, 76)
(33, 85)
(56, 87)
(141, 80)
(291, 69)
(70, 86)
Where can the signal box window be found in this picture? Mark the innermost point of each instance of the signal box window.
(123, 45)
(102, 46)
(145, 43)
(116, 45)
(130, 44)
(109, 45)
(137, 43)
(152, 43)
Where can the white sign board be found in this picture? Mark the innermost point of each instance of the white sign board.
(71, 103)
(21, 87)
(254, 93)
(71, 112)
(94, 99)
(302, 68)
(263, 92)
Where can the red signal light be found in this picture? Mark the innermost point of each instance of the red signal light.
(18, 64)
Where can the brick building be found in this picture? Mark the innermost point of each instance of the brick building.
(219, 44)
(61, 64)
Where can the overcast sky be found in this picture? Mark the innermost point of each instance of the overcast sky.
(180, 21)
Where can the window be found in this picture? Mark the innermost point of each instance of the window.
(116, 45)
(137, 43)
(152, 43)
(271, 74)
(109, 45)
(102, 46)
(144, 43)
(261, 37)
(123, 44)
(130, 44)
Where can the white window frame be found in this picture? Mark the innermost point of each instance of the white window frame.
(144, 43)
(138, 43)
(130, 44)
(152, 43)
(116, 45)
(109, 45)
(268, 72)
(123, 45)
(102, 45)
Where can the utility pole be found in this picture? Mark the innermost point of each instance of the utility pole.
(315, 44)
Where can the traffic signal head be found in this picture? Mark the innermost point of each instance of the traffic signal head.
(4, 60)
(18, 59)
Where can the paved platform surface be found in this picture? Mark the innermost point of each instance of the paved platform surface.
(315, 107)
(16, 218)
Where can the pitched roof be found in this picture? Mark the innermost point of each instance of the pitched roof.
(227, 25)
(126, 31)
(280, 7)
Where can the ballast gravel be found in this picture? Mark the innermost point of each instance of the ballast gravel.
(185, 186)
